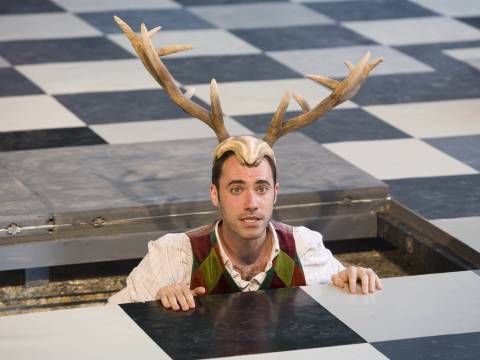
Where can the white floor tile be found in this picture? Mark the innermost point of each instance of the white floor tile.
(35, 112)
(44, 26)
(330, 62)
(162, 130)
(408, 307)
(105, 5)
(415, 30)
(259, 15)
(465, 229)
(344, 352)
(469, 55)
(455, 8)
(4, 63)
(89, 76)
(399, 158)
(99, 332)
(475, 63)
(205, 42)
(432, 119)
(260, 97)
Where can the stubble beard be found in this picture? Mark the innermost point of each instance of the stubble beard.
(236, 230)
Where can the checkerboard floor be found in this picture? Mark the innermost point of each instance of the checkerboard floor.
(303, 323)
(68, 77)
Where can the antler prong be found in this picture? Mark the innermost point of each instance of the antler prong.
(363, 61)
(374, 63)
(350, 66)
(217, 114)
(324, 80)
(342, 91)
(151, 60)
(277, 121)
(301, 102)
(153, 31)
(172, 49)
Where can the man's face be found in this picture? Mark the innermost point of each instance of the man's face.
(245, 199)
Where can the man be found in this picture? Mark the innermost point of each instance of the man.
(247, 245)
(244, 250)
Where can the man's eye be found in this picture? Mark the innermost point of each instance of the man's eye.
(235, 190)
(262, 189)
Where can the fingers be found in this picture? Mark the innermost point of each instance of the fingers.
(178, 296)
(198, 291)
(352, 278)
(378, 283)
(182, 295)
(368, 279)
(372, 280)
(364, 279)
(173, 302)
(339, 280)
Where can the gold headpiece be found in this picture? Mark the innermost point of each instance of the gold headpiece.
(248, 149)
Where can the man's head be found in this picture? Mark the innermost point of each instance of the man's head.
(244, 195)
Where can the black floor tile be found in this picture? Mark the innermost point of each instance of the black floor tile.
(439, 197)
(282, 320)
(177, 19)
(405, 88)
(452, 79)
(27, 6)
(42, 139)
(259, 123)
(122, 106)
(301, 37)
(455, 346)
(351, 125)
(370, 10)
(473, 21)
(58, 50)
(433, 55)
(221, 2)
(13, 83)
(199, 70)
(337, 125)
(464, 148)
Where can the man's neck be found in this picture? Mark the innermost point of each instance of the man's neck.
(245, 252)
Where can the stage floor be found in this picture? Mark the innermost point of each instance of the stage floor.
(69, 78)
(417, 317)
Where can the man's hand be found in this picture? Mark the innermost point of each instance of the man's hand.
(370, 281)
(178, 296)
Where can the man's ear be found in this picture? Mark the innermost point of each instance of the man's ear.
(277, 189)
(214, 195)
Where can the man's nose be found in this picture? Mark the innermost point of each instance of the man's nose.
(251, 202)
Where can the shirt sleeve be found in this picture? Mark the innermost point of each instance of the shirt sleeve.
(317, 261)
(168, 261)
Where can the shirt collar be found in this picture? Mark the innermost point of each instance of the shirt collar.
(275, 248)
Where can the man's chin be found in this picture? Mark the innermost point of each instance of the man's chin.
(252, 231)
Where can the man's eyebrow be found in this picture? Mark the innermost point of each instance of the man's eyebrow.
(239, 182)
(242, 182)
(262, 182)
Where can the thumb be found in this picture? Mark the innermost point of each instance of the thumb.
(198, 291)
(338, 280)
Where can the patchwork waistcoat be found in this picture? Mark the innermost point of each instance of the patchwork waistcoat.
(209, 270)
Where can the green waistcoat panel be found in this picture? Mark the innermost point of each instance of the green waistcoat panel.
(209, 270)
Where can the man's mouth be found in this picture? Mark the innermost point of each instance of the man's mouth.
(250, 219)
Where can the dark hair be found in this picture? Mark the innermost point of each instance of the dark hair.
(218, 164)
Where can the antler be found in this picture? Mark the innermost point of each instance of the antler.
(151, 60)
(342, 91)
